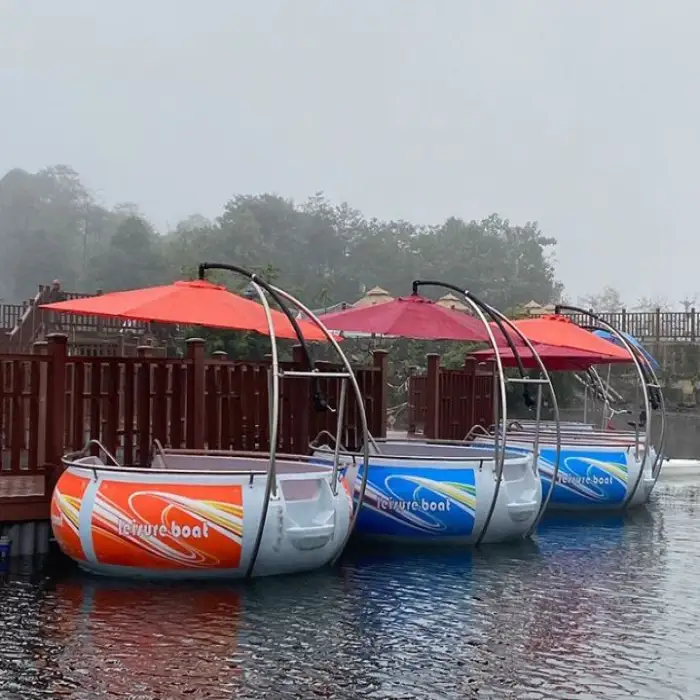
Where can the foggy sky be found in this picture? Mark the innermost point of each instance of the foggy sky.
(580, 114)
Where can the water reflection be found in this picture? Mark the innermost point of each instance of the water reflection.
(587, 610)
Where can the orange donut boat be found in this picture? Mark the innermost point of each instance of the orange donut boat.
(199, 515)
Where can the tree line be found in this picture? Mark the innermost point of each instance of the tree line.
(52, 227)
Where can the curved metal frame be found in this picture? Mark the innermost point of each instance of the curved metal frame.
(280, 296)
(271, 481)
(481, 308)
(557, 420)
(363, 416)
(646, 386)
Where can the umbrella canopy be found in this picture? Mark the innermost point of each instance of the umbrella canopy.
(408, 317)
(557, 359)
(606, 335)
(560, 331)
(195, 303)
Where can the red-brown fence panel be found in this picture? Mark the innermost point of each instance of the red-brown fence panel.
(21, 390)
(447, 403)
(53, 403)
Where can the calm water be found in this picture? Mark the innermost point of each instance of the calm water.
(593, 609)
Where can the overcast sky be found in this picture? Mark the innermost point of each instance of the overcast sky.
(580, 114)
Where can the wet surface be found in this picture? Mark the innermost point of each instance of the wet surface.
(596, 608)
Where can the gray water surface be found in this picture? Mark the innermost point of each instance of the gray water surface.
(596, 608)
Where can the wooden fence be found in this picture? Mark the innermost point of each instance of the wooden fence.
(651, 326)
(445, 403)
(22, 324)
(51, 403)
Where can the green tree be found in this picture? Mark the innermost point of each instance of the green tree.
(608, 300)
(325, 253)
(49, 222)
(132, 259)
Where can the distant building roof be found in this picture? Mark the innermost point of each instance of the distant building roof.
(450, 301)
(376, 295)
(542, 310)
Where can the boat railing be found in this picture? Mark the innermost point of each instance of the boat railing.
(477, 429)
(84, 459)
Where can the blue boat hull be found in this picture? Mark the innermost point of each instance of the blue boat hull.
(417, 498)
(598, 477)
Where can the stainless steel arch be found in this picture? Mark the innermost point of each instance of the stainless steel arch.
(276, 374)
(481, 309)
(646, 386)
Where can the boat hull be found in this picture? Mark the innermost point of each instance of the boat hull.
(591, 476)
(162, 524)
(430, 499)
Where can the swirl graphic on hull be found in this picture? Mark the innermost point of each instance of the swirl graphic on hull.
(66, 503)
(172, 527)
(151, 526)
(398, 503)
(586, 476)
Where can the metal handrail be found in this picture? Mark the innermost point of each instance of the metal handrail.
(157, 448)
(85, 452)
(474, 430)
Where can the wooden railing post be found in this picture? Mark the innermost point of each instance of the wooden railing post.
(297, 392)
(432, 414)
(298, 356)
(693, 325)
(220, 355)
(411, 409)
(41, 347)
(143, 405)
(57, 350)
(470, 366)
(380, 359)
(194, 434)
(657, 326)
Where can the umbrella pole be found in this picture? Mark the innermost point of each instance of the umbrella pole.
(606, 398)
(338, 430)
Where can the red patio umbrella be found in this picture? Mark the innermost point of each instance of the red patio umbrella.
(195, 303)
(557, 359)
(408, 317)
(560, 331)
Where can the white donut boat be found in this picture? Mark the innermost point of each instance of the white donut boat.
(198, 516)
(444, 492)
(596, 470)
(440, 492)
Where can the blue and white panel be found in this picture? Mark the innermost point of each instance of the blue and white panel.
(405, 501)
(586, 476)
